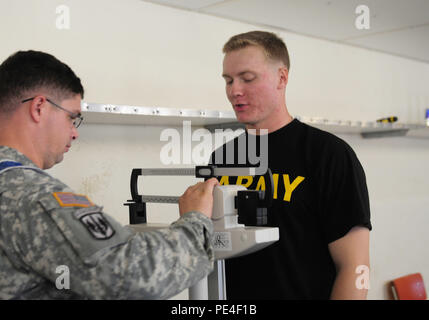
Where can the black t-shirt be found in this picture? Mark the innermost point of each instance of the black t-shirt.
(320, 193)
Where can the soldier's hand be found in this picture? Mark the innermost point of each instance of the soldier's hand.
(198, 197)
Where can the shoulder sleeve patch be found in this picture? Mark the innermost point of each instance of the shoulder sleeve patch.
(69, 199)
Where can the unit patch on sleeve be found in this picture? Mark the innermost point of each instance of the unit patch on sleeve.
(98, 226)
(69, 199)
(95, 222)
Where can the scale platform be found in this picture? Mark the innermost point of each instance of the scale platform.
(229, 243)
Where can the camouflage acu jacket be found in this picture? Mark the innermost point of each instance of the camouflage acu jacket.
(47, 230)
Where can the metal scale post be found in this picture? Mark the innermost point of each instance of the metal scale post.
(238, 216)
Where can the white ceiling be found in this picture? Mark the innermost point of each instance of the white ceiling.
(398, 27)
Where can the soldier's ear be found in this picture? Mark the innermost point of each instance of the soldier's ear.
(283, 73)
(37, 108)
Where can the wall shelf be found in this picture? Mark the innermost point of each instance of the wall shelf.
(212, 120)
(367, 129)
(418, 130)
(134, 115)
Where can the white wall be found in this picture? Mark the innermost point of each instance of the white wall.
(132, 52)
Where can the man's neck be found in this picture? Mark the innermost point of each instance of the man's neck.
(16, 139)
(278, 121)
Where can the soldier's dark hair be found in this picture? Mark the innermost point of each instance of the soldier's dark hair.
(25, 72)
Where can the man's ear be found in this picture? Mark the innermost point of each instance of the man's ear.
(37, 108)
(283, 77)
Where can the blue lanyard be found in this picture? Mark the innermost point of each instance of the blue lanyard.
(8, 164)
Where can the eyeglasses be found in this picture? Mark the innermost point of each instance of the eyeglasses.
(76, 117)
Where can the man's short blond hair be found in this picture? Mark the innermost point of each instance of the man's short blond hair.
(273, 46)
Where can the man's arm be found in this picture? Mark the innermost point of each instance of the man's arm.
(348, 253)
(119, 265)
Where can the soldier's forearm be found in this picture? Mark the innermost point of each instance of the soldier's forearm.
(159, 264)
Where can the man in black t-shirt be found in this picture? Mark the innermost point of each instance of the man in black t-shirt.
(321, 203)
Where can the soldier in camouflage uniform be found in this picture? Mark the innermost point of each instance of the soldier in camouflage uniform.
(48, 232)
